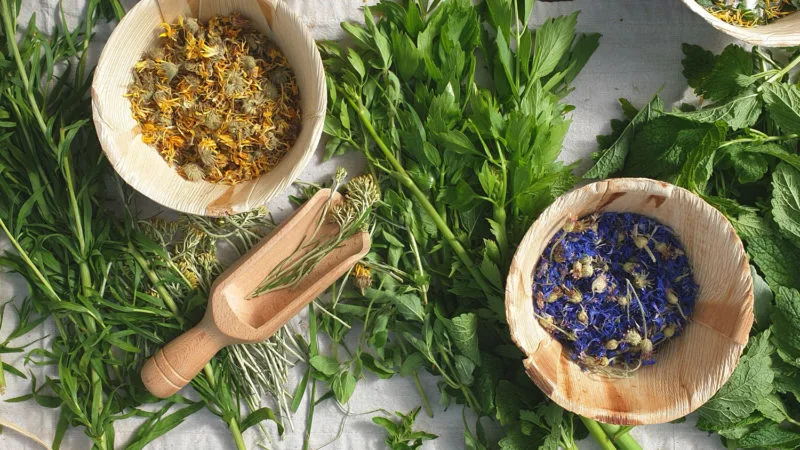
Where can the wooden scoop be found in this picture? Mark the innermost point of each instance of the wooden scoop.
(233, 318)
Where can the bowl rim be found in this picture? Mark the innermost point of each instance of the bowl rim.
(761, 35)
(598, 412)
(219, 205)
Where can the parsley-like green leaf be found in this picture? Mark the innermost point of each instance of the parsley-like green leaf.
(552, 41)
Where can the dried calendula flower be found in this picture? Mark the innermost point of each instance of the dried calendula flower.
(218, 100)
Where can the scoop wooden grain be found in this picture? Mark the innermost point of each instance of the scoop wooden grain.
(690, 368)
(232, 318)
(784, 32)
(140, 165)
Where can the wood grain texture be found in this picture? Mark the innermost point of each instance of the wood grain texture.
(784, 32)
(141, 166)
(232, 318)
(689, 369)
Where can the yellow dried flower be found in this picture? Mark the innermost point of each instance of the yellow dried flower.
(363, 277)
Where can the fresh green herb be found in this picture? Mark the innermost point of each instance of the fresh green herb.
(740, 153)
(401, 434)
(466, 158)
(116, 288)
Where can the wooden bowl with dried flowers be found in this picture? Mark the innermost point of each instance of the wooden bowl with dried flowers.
(222, 132)
(687, 369)
(784, 31)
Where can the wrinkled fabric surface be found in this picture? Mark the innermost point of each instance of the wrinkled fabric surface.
(639, 53)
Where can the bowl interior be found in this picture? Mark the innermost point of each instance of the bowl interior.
(784, 32)
(140, 165)
(689, 369)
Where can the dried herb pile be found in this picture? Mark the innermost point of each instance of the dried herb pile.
(613, 287)
(742, 13)
(218, 100)
(741, 153)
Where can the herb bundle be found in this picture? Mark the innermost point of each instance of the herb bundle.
(613, 287)
(740, 153)
(218, 100)
(465, 159)
(114, 287)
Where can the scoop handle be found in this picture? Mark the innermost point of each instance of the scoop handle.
(173, 366)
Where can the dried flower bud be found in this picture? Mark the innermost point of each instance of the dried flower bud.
(168, 70)
(602, 361)
(669, 331)
(587, 270)
(193, 172)
(248, 63)
(546, 322)
(583, 317)
(156, 53)
(612, 344)
(212, 121)
(629, 267)
(190, 24)
(552, 297)
(574, 296)
(640, 241)
(270, 91)
(647, 348)
(672, 298)
(363, 277)
(640, 280)
(234, 85)
(600, 283)
(633, 337)
(623, 300)
(207, 151)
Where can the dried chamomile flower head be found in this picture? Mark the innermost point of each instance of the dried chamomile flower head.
(218, 95)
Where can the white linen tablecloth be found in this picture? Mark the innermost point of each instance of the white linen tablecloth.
(640, 52)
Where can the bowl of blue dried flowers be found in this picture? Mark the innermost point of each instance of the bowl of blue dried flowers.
(632, 300)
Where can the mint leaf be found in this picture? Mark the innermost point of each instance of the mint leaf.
(750, 224)
(731, 69)
(739, 430)
(762, 307)
(783, 105)
(464, 332)
(786, 200)
(508, 402)
(749, 383)
(776, 151)
(659, 148)
(699, 164)
(772, 408)
(771, 436)
(786, 322)
(777, 258)
(697, 65)
(612, 159)
(749, 166)
(739, 112)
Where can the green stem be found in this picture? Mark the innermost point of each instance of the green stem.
(598, 433)
(237, 434)
(151, 275)
(425, 403)
(787, 137)
(24, 255)
(406, 180)
(623, 441)
(782, 72)
(623, 430)
(310, 415)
